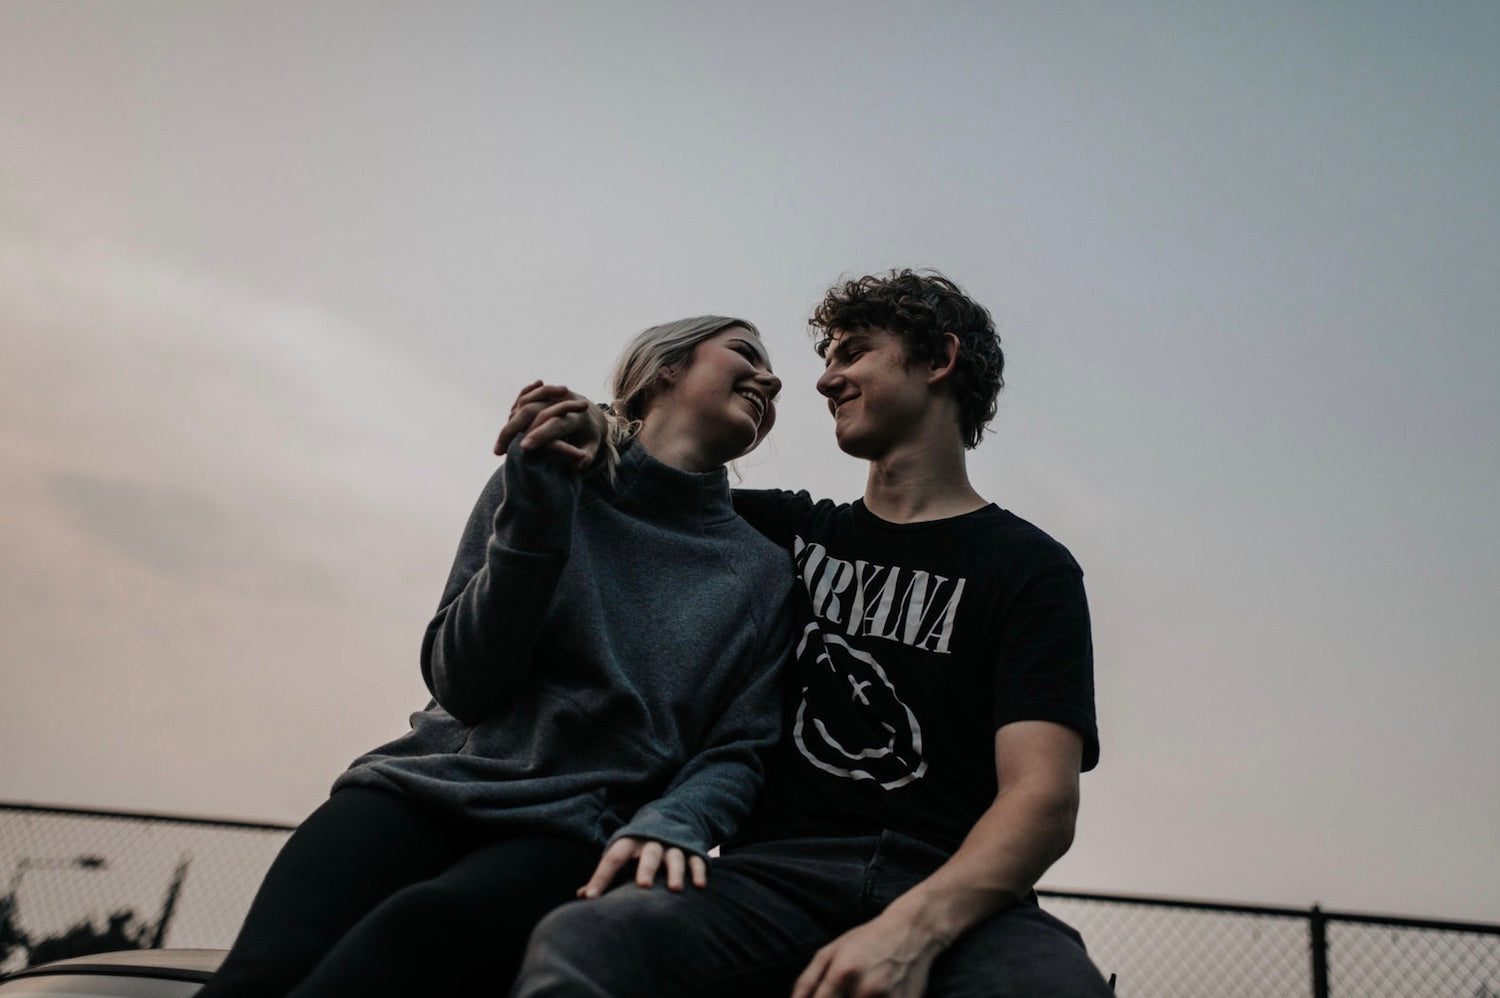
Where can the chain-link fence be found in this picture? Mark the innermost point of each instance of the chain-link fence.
(79, 879)
(1168, 948)
(76, 879)
(1163, 950)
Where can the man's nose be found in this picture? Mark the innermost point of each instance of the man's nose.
(828, 384)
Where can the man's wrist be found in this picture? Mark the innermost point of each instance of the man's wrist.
(927, 920)
(942, 915)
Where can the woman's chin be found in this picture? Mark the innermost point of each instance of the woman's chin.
(736, 445)
(755, 442)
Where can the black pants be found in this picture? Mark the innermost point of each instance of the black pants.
(767, 908)
(373, 895)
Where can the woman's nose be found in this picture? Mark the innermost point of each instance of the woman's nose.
(771, 382)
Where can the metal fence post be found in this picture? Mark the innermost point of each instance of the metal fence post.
(1318, 931)
(169, 903)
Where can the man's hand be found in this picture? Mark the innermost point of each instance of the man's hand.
(563, 421)
(884, 958)
(1029, 825)
(650, 856)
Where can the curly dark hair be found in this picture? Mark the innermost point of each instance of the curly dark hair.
(919, 307)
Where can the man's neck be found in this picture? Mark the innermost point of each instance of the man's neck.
(916, 483)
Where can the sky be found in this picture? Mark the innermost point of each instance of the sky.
(271, 274)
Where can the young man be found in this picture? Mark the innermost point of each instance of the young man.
(940, 712)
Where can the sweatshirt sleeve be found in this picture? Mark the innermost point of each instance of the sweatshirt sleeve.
(714, 791)
(478, 648)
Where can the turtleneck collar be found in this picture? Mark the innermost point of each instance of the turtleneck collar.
(642, 482)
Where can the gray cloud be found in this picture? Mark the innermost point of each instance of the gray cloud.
(174, 531)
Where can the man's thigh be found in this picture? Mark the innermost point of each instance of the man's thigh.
(1021, 952)
(750, 932)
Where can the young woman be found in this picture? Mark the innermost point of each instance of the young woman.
(603, 667)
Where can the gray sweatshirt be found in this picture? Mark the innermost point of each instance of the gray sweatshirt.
(605, 660)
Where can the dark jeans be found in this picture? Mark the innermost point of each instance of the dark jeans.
(373, 895)
(767, 909)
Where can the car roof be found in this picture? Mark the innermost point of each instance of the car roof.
(182, 964)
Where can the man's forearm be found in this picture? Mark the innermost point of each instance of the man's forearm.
(1012, 844)
(1009, 847)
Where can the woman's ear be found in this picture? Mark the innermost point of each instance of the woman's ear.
(944, 361)
(665, 378)
(661, 382)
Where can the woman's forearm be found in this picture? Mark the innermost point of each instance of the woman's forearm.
(478, 647)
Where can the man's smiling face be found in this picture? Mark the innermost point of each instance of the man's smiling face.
(874, 394)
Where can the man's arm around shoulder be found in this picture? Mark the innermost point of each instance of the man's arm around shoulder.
(776, 513)
(1028, 828)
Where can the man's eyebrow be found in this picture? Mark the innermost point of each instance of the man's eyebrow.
(841, 346)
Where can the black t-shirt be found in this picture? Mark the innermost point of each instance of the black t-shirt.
(915, 643)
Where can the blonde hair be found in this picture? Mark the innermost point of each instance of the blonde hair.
(642, 361)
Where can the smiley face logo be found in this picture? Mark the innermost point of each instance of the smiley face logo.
(850, 722)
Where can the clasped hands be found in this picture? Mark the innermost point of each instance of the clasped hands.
(558, 419)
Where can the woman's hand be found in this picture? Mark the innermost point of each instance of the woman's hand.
(650, 855)
(563, 421)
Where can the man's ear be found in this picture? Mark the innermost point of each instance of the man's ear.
(940, 368)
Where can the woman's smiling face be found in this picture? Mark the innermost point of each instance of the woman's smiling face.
(726, 385)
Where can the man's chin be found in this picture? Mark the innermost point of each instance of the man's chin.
(854, 444)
